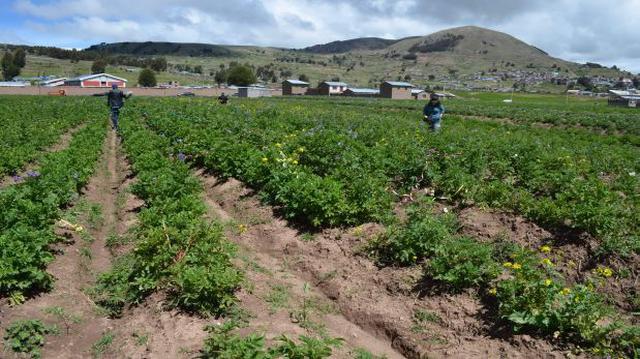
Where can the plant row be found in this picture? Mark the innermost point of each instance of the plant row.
(330, 166)
(530, 295)
(31, 207)
(176, 248)
(30, 124)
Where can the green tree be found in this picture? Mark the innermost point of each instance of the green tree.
(198, 69)
(220, 76)
(158, 64)
(303, 77)
(9, 68)
(147, 78)
(241, 75)
(20, 58)
(99, 66)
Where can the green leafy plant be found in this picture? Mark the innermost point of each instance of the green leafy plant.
(27, 336)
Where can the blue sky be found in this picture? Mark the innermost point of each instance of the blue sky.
(585, 30)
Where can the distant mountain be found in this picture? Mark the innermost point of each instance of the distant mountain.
(449, 47)
(151, 48)
(339, 47)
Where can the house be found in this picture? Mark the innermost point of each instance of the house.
(624, 84)
(630, 98)
(419, 94)
(96, 80)
(361, 92)
(14, 84)
(396, 90)
(328, 88)
(294, 87)
(253, 92)
(53, 82)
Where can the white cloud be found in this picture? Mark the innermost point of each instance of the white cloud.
(588, 30)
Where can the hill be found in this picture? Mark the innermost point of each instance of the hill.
(463, 57)
(151, 48)
(339, 47)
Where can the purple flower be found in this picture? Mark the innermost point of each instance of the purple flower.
(181, 157)
(33, 174)
(17, 179)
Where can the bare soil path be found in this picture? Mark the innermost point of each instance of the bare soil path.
(79, 259)
(391, 306)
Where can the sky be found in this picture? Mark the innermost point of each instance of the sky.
(578, 30)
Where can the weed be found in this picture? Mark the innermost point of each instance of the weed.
(102, 345)
(361, 353)
(278, 297)
(142, 339)
(307, 237)
(62, 315)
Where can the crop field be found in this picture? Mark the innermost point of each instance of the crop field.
(320, 227)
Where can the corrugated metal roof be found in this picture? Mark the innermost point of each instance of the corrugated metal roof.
(335, 83)
(296, 82)
(364, 91)
(399, 84)
(417, 91)
(625, 93)
(88, 77)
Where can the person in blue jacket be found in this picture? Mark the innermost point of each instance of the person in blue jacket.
(433, 112)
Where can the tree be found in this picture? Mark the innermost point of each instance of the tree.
(220, 76)
(303, 77)
(198, 69)
(20, 58)
(99, 66)
(241, 75)
(9, 68)
(158, 64)
(636, 82)
(585, 82)
(147, 78)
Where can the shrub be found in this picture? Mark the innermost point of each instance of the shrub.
(147, 78)
(27, 336)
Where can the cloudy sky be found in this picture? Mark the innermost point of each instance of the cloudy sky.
(584, 30)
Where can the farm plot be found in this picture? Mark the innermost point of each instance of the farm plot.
(277, 228)
(324, 168)
(31, 124)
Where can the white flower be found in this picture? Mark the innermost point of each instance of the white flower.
(445, 210)
(632, 174)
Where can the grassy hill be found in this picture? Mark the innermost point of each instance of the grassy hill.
(452, 58)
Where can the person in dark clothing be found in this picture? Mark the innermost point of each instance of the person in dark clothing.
(433, 112)
(223, 99)
(115, 101)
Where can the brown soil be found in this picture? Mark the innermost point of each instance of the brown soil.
(61, 145)
(80, 258)
(572, 252)
(380, 302)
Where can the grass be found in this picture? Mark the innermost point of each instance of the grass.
(99, 348)
(278, 297)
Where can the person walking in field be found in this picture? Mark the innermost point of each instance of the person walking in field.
(223, 99)
(433, 112)
(115, 101)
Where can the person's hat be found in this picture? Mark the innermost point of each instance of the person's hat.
(434, 96)
(114, 86)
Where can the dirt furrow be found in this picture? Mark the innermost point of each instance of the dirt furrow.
(392, 305)
(79, 259)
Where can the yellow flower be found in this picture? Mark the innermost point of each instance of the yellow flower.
(295, 162)
(565, 291)
(508, 264)
(265, 160)
(278, 145)
(415, 258)
(547, 262)
(517, 266)
(548, 282)
(545, 249)
(604, 271)
(300, 149)
(493, 291)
